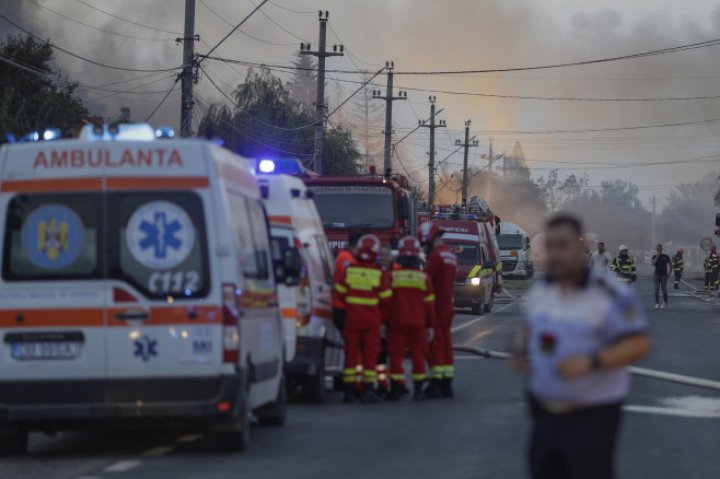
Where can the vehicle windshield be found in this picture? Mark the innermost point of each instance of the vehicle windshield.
(154, 241)
(510, 241)
(355, 206)
(467, 254)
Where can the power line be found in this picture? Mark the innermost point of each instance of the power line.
(80, 57)
(222, 40)
(594, 130)
(138, 24)
(281, 7)
(274, 22)
(92, 27)
(262, 40)
(163, 100)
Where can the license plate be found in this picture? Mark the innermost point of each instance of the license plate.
(39, 350)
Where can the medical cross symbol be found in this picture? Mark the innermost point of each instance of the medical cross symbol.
(160, 235)
(145, 348)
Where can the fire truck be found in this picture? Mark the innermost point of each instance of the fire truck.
(471, 232)
(379, 204)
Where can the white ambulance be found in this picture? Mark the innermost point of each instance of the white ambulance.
(315, 346)
(137, 288)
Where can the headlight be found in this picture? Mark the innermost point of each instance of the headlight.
(475, 281)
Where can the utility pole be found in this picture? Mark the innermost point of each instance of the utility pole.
(488, 178)
(320, 106)
(431, 164)
(466, 144)
(389, 99)
(188, 76)
(652, 232)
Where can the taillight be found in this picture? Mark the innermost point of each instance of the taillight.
(231, 327)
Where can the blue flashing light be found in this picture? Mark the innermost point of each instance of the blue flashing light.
(266, 166)
(164, 132)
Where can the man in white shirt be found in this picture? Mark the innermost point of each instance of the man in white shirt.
(601, 258)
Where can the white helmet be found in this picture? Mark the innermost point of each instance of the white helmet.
(622, 247)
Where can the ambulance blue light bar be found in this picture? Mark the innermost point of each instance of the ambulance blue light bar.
(279, 166)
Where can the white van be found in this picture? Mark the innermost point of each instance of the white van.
(515, 251)
(137, 288)
(314, 344)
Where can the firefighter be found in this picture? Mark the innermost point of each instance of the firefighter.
(624, 266)
(410, 319)
(711, 270)
(715, 261)
(344, 258)
(364, 291)
(678, 267)
(441, 268)
(387, 264)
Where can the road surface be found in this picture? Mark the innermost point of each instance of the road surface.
(670, 431)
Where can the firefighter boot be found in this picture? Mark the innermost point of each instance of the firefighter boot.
(419, 392)
(394, 394)
(349, 396)
(446, 388)
(369, 396)
(433, 390)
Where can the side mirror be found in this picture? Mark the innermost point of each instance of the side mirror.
(289, 268)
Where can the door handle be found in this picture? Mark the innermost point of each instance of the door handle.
(133, 315)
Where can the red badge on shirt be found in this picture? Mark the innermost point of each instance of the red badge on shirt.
(548, 341)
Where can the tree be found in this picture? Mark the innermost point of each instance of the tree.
(266, 120)
(32, 95)
(690, 212)
(303, 85)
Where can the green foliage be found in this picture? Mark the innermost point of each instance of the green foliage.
(267, 121)
(31, 101)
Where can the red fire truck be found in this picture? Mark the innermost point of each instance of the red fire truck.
(382, 205)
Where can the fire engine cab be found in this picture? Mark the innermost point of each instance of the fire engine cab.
(382, 205)
(470, 232)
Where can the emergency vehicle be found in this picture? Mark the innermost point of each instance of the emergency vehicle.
(515, 251)
(381, 205)
(314, 344)
(471, 235)
(137, 288)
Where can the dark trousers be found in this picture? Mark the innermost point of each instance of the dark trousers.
(660, 283)
(678, 277)
(574, 445)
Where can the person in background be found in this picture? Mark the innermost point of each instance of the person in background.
(712, 262)
(581, 330)
(624, 266)
(410, 319)
(715, 262)
(441, 268)
(344, 258)
(387, 264)
(365, 291)
(601, 258)
(678, 267)
(663, 266)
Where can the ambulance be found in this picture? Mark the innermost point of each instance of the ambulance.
(314, 344)
(138, 288)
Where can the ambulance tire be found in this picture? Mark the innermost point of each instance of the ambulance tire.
(477, 308)
(236, 437)
(313, 387)
(275, 413)
(13, 441)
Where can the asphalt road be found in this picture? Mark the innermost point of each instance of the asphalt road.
(671, 431)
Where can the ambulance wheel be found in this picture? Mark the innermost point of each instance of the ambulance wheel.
(313, 387)
(235, 436)
(477, 308)
(13, 441)
(275, 413)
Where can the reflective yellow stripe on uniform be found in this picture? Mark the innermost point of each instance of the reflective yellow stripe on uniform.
(385, 294)
(340, 288)
(363, 279)
(429, 297)
(397, 377)
(362, 301)
(498, 267)
(419, 377)
(369, 376)
(408, 279)
(473, 272)
(349, 375)
(436, 372)
(448, 371)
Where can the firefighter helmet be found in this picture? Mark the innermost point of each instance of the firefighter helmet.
(622, 248)
(428, 231)
(368, 247)
(409, 247)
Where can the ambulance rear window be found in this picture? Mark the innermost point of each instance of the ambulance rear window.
(52, 236)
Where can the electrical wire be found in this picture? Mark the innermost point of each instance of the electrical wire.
(236, 27)
(281, 7)
(80, 57)
(205, 4)
(138, 24)
(92, 27)
(274, 22)
(163, 100)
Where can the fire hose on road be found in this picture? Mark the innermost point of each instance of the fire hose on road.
(648, 373)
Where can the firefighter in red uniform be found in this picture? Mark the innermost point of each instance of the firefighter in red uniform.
(410, 319)
(365, 292)
(386, 263)
(344, 258)
(441, 267)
